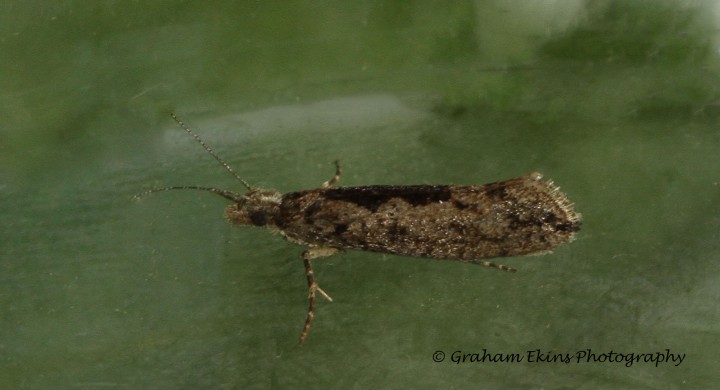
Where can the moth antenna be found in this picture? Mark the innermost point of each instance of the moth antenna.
(209, 150)
(233, 196)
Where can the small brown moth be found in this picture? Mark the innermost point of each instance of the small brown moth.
(469, 223)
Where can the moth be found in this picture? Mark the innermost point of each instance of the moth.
(468, 223)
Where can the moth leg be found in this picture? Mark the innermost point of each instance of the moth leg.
(331, 183)
(313, 287)
(494, 265)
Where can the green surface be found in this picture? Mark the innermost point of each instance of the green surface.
(615, 101)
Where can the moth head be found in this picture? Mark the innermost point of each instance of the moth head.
(258, 207)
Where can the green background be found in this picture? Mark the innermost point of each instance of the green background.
(616, 101)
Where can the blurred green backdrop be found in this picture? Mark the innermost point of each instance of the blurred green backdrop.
(616, 101)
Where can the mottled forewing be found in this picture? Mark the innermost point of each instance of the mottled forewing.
(513, 217)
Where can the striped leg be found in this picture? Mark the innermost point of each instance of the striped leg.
(493, 265)
(335, 179)
(313, 287)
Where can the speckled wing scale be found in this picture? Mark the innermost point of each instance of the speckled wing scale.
(469, 223)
